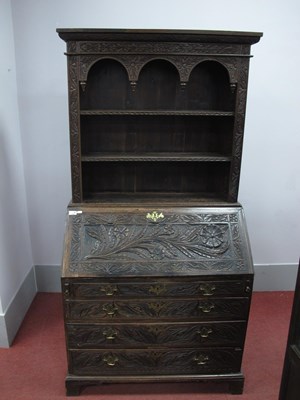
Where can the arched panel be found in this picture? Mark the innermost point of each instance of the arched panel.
(107, 86)
(209, 87)
(158, 86)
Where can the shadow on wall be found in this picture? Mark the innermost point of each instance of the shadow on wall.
(14, 240)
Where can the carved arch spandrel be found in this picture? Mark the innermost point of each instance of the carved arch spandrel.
(134, 65)
(188, 64)
(87, 62)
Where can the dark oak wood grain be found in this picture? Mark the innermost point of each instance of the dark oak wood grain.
(157, 271)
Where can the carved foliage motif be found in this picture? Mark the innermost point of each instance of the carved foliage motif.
(113, 243)
(157, 242)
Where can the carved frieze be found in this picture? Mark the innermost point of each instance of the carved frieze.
(159, 48)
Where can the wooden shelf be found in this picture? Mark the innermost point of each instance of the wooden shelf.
(168, 198)
(200, 113)
(146, 157)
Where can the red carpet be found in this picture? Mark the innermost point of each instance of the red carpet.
(34, 367)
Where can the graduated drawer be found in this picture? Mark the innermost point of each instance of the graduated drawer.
(156, 335)
(223, 308)
(201, 288)
(155, 362)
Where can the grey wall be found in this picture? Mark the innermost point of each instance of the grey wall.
(15, 246)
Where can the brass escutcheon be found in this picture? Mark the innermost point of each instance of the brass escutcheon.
(207, 289)
(154, 216)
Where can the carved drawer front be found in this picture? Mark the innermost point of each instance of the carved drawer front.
(155, 362)
(227, 308)
(157, 289)
(155, 335)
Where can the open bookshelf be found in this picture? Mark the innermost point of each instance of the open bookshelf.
(157, 113)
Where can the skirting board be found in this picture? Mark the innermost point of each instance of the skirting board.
(267, 277)
(13, 316)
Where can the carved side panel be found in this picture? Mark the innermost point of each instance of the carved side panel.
(74, 117)
(238, 128)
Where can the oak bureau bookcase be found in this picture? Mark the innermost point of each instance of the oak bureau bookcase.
(157, 271)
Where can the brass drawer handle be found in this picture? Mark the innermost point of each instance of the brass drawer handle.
(201, 359)
(207, 289)
(109, 290)
(204, 332)
(110, 309)
(206, 308)
(110, 334)
(110, 359)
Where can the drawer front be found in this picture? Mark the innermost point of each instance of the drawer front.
(234, 308)
(156, 335)
(158, 288)
(145, 362)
